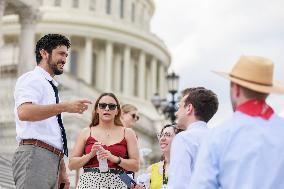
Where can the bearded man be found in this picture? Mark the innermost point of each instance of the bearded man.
(37, 162)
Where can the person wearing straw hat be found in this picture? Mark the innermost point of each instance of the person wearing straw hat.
(247, 151)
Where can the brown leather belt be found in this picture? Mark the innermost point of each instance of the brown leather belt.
(42, 145)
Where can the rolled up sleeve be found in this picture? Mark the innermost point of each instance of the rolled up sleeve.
(27, 90)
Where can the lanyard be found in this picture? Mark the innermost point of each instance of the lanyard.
(165, 179)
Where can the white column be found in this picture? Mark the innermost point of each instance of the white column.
(133, 77)
(88, 66)
(2, 8)
(101, 67)
(146, 20)
(117, 72)
(101, 4)
(153, 70)
(49, 3)
(127, 10)
(162, 79)
(84, 5)
(115, 8)
(67, 66)
(126, 71)
(27, 37)
(141, 75)
(137, 13)
(67, 4)
(108, 64)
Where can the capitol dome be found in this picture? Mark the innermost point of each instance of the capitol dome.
(113, 50)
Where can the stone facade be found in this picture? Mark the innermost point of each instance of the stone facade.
(112, 50)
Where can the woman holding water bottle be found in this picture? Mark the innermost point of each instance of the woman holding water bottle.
(105, 149)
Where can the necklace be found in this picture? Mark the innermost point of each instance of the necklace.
(165, 178)
(107, 132)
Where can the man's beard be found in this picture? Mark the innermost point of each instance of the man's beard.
(53, 66)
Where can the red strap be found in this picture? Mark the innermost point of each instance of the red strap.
(256, 108)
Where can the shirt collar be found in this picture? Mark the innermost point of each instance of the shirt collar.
(256, 108)
(197, 125)
(46, 75)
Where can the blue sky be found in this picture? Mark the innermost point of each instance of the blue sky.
(205, 35)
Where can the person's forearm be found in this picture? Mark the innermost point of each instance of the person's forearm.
(129, 164)
(63, 176)
(33, 112)
(78, 162)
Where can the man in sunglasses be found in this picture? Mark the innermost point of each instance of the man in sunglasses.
(196, 108)
(40, 132)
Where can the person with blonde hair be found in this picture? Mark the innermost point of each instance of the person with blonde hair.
(129, 115)
(105, 138)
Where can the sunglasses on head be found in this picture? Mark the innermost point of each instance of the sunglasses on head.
(111, 106)
(134, 116)
(166, 135)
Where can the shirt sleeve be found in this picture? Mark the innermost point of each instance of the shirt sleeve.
(206, 170)
(27, 89)
(180, 164)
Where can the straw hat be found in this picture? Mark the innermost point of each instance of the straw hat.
(255, 73)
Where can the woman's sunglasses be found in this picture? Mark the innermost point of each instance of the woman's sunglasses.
(111, 106)
(166, 135)
(135, 117)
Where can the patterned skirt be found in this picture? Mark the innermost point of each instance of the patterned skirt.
(95, 180)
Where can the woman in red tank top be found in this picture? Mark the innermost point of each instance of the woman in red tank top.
(105, 138)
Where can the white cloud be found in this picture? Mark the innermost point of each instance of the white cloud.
(204, 35)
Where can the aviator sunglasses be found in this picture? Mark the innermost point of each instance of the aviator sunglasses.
(135, 117)
(111, 106)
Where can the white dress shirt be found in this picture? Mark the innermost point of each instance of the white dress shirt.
(34, 87)
(243, 153)
(184, 149)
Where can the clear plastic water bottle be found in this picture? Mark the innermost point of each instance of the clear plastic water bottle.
(103, 166)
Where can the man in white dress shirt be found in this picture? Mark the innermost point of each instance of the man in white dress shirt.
(38, 161)
(196, 108)
(247, 151)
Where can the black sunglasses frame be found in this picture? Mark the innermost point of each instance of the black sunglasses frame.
(135, 116)
(110, 106)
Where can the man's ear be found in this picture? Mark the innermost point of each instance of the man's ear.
(44, 54)
(236, 90)
(189, 109)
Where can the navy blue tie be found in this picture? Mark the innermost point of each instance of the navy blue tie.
(59, 120)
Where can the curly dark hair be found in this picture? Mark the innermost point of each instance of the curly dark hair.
(50, 42)
(204, 101)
